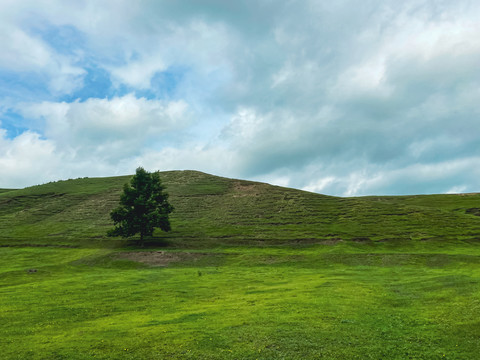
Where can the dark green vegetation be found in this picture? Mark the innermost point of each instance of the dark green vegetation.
(4, 190)
(143, 207)
(249, 271)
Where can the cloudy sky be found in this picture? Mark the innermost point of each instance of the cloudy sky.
(337, 97)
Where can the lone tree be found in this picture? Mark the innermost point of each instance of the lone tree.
(143, 207)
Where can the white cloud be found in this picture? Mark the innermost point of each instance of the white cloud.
(319, 185)
(25, 52)
(138, 73)
(27, 159)
(456, 190)
(21, 52)
(108, 128)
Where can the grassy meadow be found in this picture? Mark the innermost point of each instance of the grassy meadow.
(250, 271)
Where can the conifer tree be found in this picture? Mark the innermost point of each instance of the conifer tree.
(143, 207)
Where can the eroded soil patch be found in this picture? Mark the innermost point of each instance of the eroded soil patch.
(247, 189)
(163, 258)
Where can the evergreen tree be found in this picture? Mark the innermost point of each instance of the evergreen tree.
(143, 207)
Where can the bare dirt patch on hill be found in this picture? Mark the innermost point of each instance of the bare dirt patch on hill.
(248, 189)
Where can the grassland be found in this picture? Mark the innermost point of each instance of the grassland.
(250, 271)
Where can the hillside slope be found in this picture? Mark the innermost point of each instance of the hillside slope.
(215, 210)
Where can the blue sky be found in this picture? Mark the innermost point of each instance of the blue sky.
(340, 98)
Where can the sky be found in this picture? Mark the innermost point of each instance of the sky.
(343, 98)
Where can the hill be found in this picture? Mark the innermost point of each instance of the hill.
(250, 271)
(214, 210)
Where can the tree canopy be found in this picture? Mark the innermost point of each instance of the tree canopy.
(143, 207)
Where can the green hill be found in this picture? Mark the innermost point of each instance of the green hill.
(250, 271)
(214, 210)
(5, 190)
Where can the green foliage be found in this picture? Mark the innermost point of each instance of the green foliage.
(143, 207)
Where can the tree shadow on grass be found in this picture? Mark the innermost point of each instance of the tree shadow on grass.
(148, 243)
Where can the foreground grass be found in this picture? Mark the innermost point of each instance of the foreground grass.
(343, 301)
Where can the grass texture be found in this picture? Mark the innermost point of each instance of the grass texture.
(250, 271)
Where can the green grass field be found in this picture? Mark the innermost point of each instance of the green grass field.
(250, 271)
